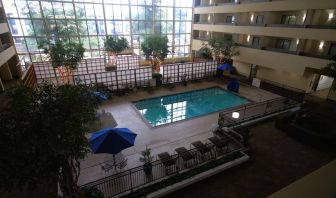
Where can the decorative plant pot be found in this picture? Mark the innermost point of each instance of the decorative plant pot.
(158, 79)
(148, 168)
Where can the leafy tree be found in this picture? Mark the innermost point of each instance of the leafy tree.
(156, 47)
(43, 136)
(223, 48)
(205, 52)
(115, 44)
(65, 53)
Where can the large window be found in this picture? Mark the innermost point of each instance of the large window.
(90, 21)
(288, 19)
(283, 44)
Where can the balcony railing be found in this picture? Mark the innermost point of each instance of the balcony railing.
(299, 53)
(135, 178)
(270, 25)
(235, 2)
(287, 25)
(203, 22)
(321, 56)
(254, 111)
(5, 46)
(287, 51)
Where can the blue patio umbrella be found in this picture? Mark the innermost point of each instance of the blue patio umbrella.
(225, 67)
(112, 140)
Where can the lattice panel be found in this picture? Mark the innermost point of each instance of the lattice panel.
(126, 62)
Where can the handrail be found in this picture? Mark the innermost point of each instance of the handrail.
(135, 178)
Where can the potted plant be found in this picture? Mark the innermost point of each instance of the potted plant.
(158, 79)
(155, 48)
(204, 52)
(147, 159)
(114, 45)
(65, 56)
(223, 48)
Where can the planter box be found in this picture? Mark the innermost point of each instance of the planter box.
(199, 177)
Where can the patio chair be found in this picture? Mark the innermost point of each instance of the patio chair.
(122, 164)
(167, 161)
(106, 167)
(185, 155)
(220, 144)
(202, 149)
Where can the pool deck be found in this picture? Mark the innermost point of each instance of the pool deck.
(160, 139)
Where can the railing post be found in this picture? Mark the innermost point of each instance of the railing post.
(178, 72)
(192, 70)
(96, 81)
(135, 78)
(266, 108)
(116, 75)
(163, 74)
(130, 174)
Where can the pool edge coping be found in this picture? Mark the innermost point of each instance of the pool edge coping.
(166, 124)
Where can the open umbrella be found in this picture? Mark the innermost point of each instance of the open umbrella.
(112, 140)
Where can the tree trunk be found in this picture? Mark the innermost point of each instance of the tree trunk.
(66, 74)
(69, 173)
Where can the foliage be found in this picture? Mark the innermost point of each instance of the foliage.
(224, 46)
(205, 52)
(91, 192)
(146, 156)
(330, 69)
(115, 44)
(155, 46)
(43, 136)
(64, 53)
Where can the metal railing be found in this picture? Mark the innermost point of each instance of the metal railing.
(135, 178)
(254, 110)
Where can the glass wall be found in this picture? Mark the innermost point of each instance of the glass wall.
(90, 21)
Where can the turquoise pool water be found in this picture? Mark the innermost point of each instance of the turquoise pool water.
(167, 109)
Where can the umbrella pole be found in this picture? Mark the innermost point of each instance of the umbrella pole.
(114, 163)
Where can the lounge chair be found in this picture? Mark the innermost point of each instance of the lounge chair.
(185, 155)
(122, 164)
(220, 144)
(202, 148)
(167, 161)
(106, 167)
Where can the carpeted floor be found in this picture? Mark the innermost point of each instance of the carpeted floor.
(276, 161)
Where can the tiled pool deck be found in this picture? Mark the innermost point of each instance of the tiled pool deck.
(160, 139)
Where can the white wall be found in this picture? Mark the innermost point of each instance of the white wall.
(324, 83)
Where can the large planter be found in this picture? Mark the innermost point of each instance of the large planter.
(147, 167)
(158, 79)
